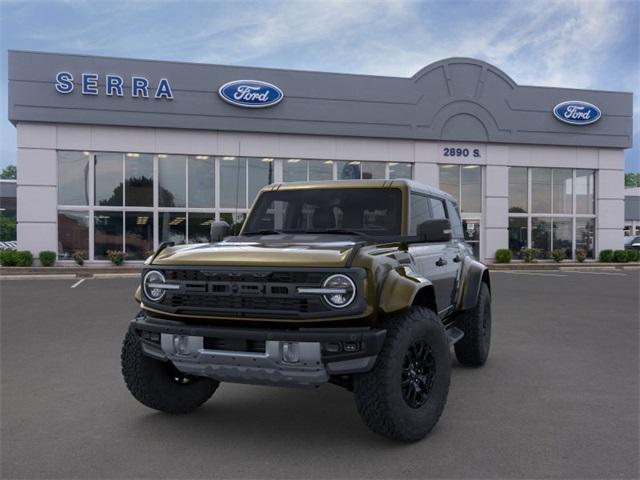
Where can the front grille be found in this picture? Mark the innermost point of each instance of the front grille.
(235, 345)
(246, 303)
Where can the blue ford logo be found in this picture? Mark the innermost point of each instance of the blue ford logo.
(576, 112)
(250, 93)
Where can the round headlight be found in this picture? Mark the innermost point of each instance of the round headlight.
(154, 277)
(341, 291)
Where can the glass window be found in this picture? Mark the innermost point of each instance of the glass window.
(294, 170)
(349, 170)
(541, 190)
(450, 180)
(419, 211)
(73, 233)
(471, 188)
(517, 235)
(518, 190)
(585, 235)
(108, 233)
(437, 208)
(138, 235)
(562, 190)
(201, 181)
(373, 170)
(233, 183)
(471, 229)
(585, 191)
(172, 227)
(108, 179)
(235, 221)
(260, 174)
(541, 235)
(200, 227)
(138, 173)
(320, 170)
(73, 178)
(400, 170)
(172, 181)
(454, 217)
(562, 235)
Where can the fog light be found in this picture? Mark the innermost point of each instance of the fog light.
(291, 352)
(351, 347)
(181, 344)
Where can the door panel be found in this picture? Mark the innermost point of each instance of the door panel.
(433, 263)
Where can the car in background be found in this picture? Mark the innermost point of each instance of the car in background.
(632, 242)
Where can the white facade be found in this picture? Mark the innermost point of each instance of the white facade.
(38, 144)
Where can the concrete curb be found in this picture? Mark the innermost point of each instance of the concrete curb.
(563, 266)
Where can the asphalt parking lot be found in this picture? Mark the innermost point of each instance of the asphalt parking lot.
(557, 399)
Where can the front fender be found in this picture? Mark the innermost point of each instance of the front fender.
(472, 275)
(400, 289)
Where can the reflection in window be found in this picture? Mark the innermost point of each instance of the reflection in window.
(73, 233)
(172, 227)
(419, 211)
(108, 233)
(471, 230)
(541, 190)
(235, 221)
(585, 191)
(349, 170)
(541, 235)
(200, 227)
(108, 179)
(172, 181)
(320, 170)
(294, 170)
(562, 235)
(471, 195)
(201, 181)
(517, 235)
(437, 208)
(454, 218)
(260, 174)
(233, 183)
(138, 172)
(585, 235)
(518, 190)
(562, 190)
(373, 170)
(450, 180)
(139, 235)
(400, 170)
(73, 178)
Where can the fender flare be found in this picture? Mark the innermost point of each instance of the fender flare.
(472, 276)
(400, 289)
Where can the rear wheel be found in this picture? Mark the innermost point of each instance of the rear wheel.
(473, 349)
(405, 393)
(159, 385)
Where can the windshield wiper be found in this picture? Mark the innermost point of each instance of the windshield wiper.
(339, 231)
(263, 232)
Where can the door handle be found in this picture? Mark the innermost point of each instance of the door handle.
(441, 262)
(457, 259)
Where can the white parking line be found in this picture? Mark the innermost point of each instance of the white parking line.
(597, 273)
(531, 273)
(78, 283)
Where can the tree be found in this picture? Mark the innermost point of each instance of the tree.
(632, 180)
(9, 172)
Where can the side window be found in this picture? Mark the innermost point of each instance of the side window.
(437, 207)
(419, 211)
(454, 218)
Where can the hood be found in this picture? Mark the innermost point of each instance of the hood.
(265, 251)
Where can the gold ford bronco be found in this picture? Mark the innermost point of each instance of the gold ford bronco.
(363, 284)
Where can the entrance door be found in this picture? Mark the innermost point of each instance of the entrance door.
(471, 227)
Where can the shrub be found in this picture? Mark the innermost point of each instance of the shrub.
(8, 258)
(503, 255)
(80, 256)
(529, 254)
(606, 256)
(581, 254)
(558, 255)
(117, 257)
(47, 258)
(633, 255)
(620, 256)
(24, 258)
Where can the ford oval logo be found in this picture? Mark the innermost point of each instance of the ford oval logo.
(576, 112)
(250, 93)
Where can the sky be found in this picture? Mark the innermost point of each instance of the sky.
(566, 43)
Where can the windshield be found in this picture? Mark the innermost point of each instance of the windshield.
(369, 211)
(630, 240)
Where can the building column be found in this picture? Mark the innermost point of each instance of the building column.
(37, 188)
(610, 200)
(496, 210)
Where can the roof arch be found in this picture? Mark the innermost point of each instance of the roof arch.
(445, 63)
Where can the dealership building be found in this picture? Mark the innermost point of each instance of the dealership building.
(123, 154)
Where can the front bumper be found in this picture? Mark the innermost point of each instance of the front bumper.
(259, 356)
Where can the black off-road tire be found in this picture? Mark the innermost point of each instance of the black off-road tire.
(473, 349)
(379, 393)
(158, 384)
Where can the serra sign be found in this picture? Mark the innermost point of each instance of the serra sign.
(576, 112)
(113, 85)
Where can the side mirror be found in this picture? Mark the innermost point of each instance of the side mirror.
(219, 230)
(434, 230)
